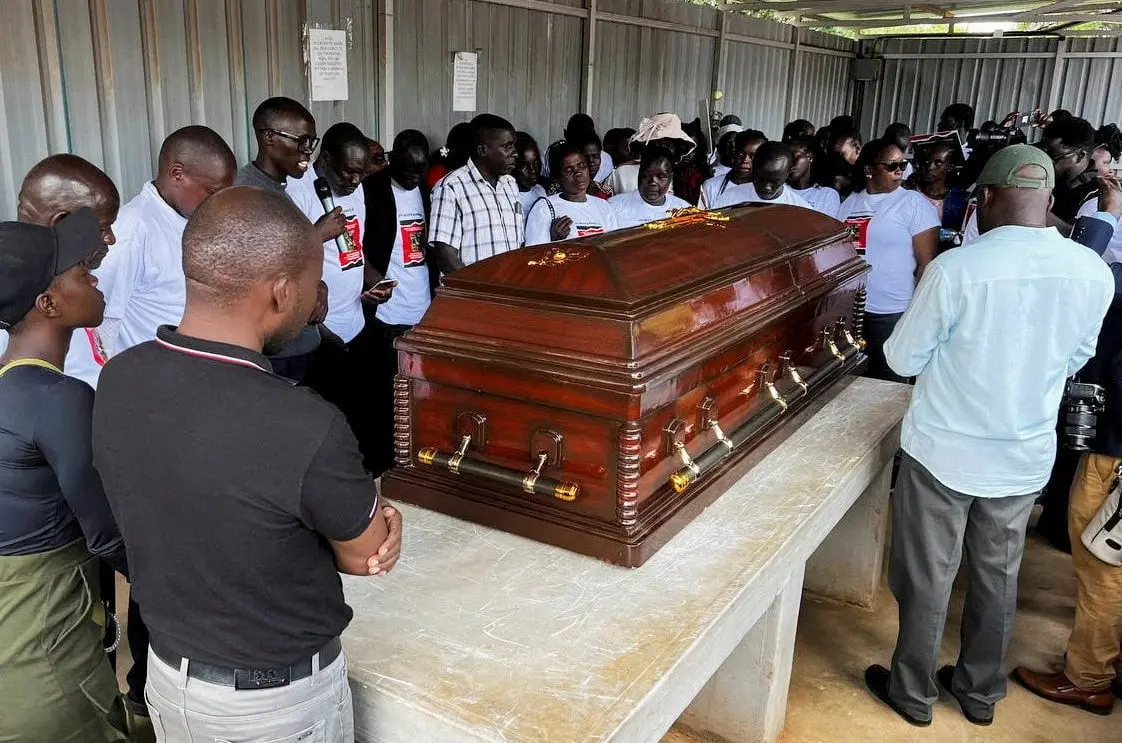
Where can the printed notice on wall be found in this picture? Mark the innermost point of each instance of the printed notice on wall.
(465, 75)
(327, 64)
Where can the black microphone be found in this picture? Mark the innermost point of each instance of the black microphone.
(323, 192)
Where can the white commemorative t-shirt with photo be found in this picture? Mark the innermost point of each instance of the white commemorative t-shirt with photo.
(529, 198)
(342, 270)
(624, 179)
(631, 210)
(593, 216)
(886, 224)
(710, 189)
(821, 198)
(746, 193)
(410, 299)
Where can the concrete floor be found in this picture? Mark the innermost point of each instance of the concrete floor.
(828, 701)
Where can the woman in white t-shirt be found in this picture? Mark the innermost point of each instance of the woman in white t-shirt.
(653, 200)
(807, 176)
(734, 186)
(571, 213)
(527, 171)
(898, 234)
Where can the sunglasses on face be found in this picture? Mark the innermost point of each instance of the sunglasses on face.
(303, 141)
(898, 166)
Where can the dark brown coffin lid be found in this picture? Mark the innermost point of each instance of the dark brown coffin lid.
(631, 270)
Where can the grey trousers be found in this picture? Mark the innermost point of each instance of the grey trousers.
(930, 526)
(316, 709)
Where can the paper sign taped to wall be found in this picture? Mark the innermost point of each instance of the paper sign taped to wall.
(327, 64)
(465, 78)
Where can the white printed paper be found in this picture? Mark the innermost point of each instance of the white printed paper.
(465, 77)
(327, 64)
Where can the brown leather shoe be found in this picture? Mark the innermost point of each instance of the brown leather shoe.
(1056, 687)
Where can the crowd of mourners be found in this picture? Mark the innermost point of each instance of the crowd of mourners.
(238, 326)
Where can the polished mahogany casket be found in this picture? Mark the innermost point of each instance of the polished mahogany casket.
(597, 394)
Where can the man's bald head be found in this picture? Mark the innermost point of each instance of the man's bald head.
(194, 163)
(252, 255)
(196, 147)
(61, 184)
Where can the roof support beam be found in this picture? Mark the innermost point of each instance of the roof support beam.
(892, 22)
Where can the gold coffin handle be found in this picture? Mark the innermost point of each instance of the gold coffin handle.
(531, 482)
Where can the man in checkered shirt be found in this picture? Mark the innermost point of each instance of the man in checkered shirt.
(476, 212)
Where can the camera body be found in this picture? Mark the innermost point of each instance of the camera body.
(1081, 404)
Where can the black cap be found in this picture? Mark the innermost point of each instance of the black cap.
(31, 256)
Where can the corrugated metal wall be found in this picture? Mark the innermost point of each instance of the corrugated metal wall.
(530, 64)
(826, 87)
(644, 71)
(915, 90)
(109, 79)
(1092, 88)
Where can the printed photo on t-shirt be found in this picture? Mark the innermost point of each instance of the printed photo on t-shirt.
(352, 256)
(861, 222)
(584, 230)
(412, 242)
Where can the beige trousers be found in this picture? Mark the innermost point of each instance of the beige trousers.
(1096, 638)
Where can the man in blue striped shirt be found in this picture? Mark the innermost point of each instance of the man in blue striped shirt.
(992, 333)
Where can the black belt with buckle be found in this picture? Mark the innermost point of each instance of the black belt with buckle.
(252, 678)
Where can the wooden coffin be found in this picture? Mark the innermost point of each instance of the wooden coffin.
(597, 394)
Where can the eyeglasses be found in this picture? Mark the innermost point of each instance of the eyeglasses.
(894, 167)
(303, 141)
(1063, 156)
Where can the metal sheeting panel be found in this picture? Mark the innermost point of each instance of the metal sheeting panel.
(644, 71)
(756, 86)
(1092, 88)
(530, 65)
(825, 87)
(915, 91)
(108, 80)
(672, 11)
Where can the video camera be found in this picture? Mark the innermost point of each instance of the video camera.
(993, 136)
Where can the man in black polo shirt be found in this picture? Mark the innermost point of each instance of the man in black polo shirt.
(239, 495)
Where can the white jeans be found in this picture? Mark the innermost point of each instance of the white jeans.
(316, 709)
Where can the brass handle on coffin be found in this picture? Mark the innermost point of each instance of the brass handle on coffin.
(694, 468)
(531, 482)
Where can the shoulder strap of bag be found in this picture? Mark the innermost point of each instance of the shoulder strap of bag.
(552, 211)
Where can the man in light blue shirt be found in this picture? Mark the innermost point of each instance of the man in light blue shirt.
(993, 331)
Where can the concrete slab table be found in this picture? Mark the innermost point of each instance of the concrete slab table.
(481, 636)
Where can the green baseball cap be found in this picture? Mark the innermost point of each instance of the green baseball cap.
(1002, 169)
